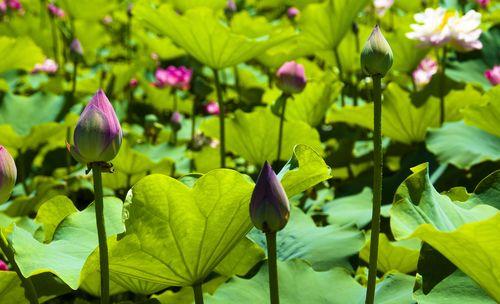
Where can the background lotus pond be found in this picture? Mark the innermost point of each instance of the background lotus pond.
(206, 92)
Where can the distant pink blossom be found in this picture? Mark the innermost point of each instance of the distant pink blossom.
(107, 20)
(55, 11)
(133, 82)
(483, 3)
(292, 12)
(424, 72)
(381, 6)
(3, 7)
(172, 76)
(15, 5)
(49, 66)
(3, 266)
(493, 75)
(176, 118)
(212, 107)
(231, 6)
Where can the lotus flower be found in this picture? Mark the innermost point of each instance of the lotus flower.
(292, 12)
(76, 47)
(133, 82)
(8, 174)
(465, 31)
(424, 72)
(231, 6)
(15, 5)
(49, 66)
(212, 107)
(432, 28)
(483, 3)
(98, 135)
(172, 76)
(376, 57)
(176, 118)
(3, 266)
(291, 78)
(107, 20)
(493, 75)
(269, 206)
(381, 6)
(55, 11)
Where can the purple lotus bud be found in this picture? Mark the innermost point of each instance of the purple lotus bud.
(292, 12)
(3, 266)
(98, 135)
(291, 77)
(376, 57)
(231, 6)
(76, 47)
(269, 206)
(55, 11)
(8, 174)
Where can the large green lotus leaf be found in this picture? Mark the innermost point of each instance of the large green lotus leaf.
(486, 116)
(74, 240)
(23, 113)
(399, 255)
(11, 290)
(93, 10)
(351, 209)
(52, 213)
(19, 53)
(311, 105)
(457, 288)
(349, 50)
(93, 37)
(185, 295)
(417, 202)
(462, 145)
(487, 191)
(322, 247)
(299, 283)
(184, 5)
(469, 71)
(205, 37)
(254, 136)
(401, 120)
(456, 101)
(324, 25)
(241, 259)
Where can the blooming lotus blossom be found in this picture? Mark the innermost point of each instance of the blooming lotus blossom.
(381, 6)
(493, 75)
(465, 31)
(269, 206)
(3, 266)
(212, 107)
(55, 11)
(98, 134)
(172, 76)
(8, 174)
(291, 77)
(292, 12)
(49, 66)
(483, 3)
(3, 7)
(424, 72)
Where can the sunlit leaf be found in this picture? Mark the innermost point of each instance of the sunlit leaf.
(486, 116)
(19, 53)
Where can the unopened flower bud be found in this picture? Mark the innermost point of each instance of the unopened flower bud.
(291, 77)
(269, 206)
(98, 134)
(292, 12)
(8, 174)
(176, 120)
(76, 47)
(3, 266)
(376, 57)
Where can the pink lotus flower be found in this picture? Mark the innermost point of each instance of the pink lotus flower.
(483, 3)
(424, 72)
(3, 7)
(292, 12)
(172, 76)
(291, 78)
(212, 107)
(381, 6)
(3, 266)
(493, 75)
(133, 82)
(49, 66)
(55, 11)
(231, 6)
(15, 5)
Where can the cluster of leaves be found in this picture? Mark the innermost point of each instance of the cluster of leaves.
(175, 219)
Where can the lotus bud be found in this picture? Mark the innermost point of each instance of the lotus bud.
(291, 77)
(8, 174)
(269, 206)
(376, 57)
(3, 266)
(176, 120)
(292, 12)
(98, 135)
(76, 47)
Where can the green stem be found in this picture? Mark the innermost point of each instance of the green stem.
(55, 45)
(29, 288)
(198, 294)
(101, 232)
(442, 84)
(377, 187)
(175, 106)
(283, 99)
(68, 154)
(341, 74)
(221, 120)
(73, 87)
(273, 269)
(237, 83)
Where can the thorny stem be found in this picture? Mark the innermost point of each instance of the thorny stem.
(221, 119)
(273, 269)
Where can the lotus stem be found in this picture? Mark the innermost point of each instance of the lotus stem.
(221, 119)
(283, 98)
(377, 187)
(101, 232)
(198, 293)
(29, 288)
(73, 87)
(55, 45)
(442, 84)
(341, 74)
(272, 268)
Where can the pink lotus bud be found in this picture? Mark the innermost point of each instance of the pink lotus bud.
(176, 118)
(98, 134)
(231, 6)
(15, 5)
(424, 72)
(483, 3)
(269, 206)
(133, 83)
(8, 174)
(291, 77)
(292, 12)
(493, 75)
(49, 66)
(3, 266)
(55, 11)
(212, 107)
(76, 47)
(3, 7)
(179, 78)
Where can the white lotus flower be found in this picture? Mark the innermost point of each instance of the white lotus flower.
(465, 31)
(381, 6)
(432, 27)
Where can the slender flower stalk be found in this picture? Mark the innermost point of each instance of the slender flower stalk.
(76, 54)
(281, 100)
(198, 293)
(376, 60)
(442, 84)
(222, 136)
